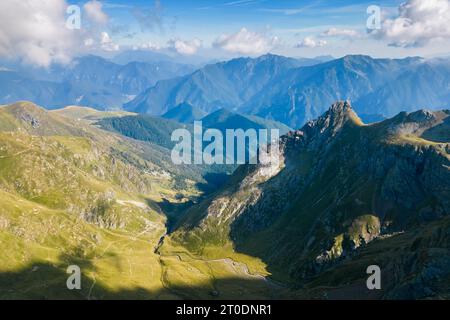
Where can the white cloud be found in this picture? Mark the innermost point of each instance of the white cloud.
(188, 47)
(240, 3)
(147, 46)
(99, 41)
(310, 42)
(246, 42)
(94, 11)
(34, 31)
(89, 42)
(107, 44)
(343, 33)
(418, 22)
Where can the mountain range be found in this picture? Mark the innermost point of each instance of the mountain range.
(222, 85)
(89, 81)
(288, 90)
(282, 89)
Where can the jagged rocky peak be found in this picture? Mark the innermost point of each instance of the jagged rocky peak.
(340, 108)
(337, 117)
(421, 116)
(338, 114)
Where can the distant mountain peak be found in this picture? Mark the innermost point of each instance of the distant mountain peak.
(185, 112)
(357, 56)
(221, 111)
(356, 60)
(269, 56)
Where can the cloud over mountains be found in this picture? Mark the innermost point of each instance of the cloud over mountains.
(185, 47)
(94, 10)
(35, 31)
(246, 42)
(418, 23)
(310, 42)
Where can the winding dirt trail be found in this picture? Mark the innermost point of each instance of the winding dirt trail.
(238, 267)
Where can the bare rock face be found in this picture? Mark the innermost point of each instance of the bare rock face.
(422, 116)
(32, 121)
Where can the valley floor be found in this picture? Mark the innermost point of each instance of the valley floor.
(115, 264)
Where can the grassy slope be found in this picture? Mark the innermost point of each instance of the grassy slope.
(68, 196)
(49, 182)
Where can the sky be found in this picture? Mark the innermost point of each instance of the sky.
(37, 32)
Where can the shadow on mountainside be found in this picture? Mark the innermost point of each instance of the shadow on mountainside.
(414, 265)
(213, 182)
(440, 132)
(44, 281)
(173, 211)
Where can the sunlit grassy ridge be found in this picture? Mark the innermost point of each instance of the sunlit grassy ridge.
(67, 200)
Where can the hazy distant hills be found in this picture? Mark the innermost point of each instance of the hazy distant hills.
(222, 85)
(288, 90)
(304, 93)
(16, 87)
(293, 91)
(185, 113)
(223, 119)
(159, 130)
(147, 56)
(90, 81)
(426, 85)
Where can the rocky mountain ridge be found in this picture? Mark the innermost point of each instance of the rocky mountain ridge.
(341, 184)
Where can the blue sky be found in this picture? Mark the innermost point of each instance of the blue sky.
(223, 29)
(207, 20)
(294, 28)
